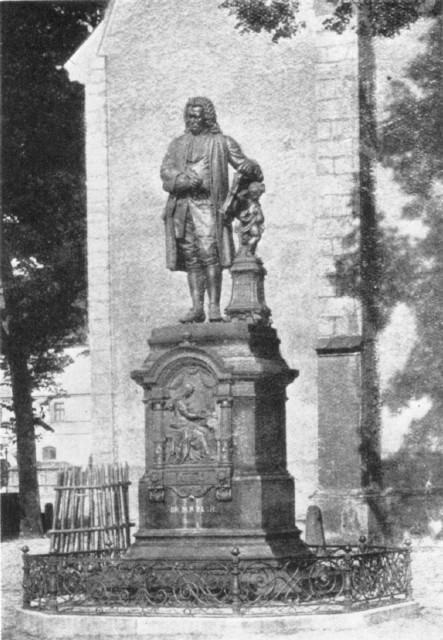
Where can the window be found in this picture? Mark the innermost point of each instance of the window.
(49, 453)
(59, 411)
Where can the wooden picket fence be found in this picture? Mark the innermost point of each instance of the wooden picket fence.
(91, 509)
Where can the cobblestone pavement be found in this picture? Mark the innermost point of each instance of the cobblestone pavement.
(427, 568)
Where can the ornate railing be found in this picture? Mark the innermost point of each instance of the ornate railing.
(328, 579)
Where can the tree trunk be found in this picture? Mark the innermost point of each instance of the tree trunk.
(370, 265)
(12, 343)
(371, 275)
(31, 522)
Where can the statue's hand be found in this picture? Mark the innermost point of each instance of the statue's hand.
(182, 184)
(187, 182)
(194, 180)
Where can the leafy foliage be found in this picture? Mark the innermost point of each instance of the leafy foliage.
(375, 17)
(411, 143)
(278, 17)
(43, 182)
(43, 252)
(394, 267)
(385, 18)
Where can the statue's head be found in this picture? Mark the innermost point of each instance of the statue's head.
(256, 189)
(200, 116)
(188, 390)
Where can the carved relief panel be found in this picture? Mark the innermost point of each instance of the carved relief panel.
(190, 431)
(193, 427)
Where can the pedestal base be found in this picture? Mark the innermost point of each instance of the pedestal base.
(223, 626)
(216, 475)
(185, 544)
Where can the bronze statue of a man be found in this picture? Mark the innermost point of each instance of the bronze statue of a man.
(195, 174)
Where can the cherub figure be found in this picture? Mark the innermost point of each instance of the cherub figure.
(251, 217)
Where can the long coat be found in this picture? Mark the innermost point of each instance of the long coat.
(222, 150)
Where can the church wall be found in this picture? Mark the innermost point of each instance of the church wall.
(292, 107)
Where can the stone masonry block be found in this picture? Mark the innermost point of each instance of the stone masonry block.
(95, 99)
(345, 164)
(326, 286)
(325, 327)
(336, 83)
(336, 53)
(96, 86)
(101, 358)
(98, 134)
(346, 147)
(335, 227)
(325, 165)
(98, 259)
(337, 109)
(339, 70)
(324, 130)
(342, 245)
(325, 265)
(102, 406)
(337, 325)
(97, 277)
(335, 204)
(96, 157)
(98, 234)
(98, 211)
(100, 342)
(97, 189)
(344, 305)
(331, 326)
(328, 88)
(98, 237)
(325, 247)
(345, 128)
(100, 292)
(337, 183)
(99, 324)
(99, 176)
(101, 382)
(98, 310)
(98, 217)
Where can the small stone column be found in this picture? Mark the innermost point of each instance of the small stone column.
(248, 290)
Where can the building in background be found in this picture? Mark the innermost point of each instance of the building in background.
(66, 409)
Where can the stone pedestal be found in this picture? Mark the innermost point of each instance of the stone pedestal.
(216, 473)
(248, 290)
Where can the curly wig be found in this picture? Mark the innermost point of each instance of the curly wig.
(208, 111)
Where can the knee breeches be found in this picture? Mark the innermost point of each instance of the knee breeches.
(199, 244)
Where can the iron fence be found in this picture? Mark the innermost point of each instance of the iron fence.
(327, 579)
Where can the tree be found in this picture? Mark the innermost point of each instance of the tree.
(279, 18)
(411, 143)
(43, 243)
(375, 256)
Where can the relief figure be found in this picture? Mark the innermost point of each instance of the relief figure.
(191, 430)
